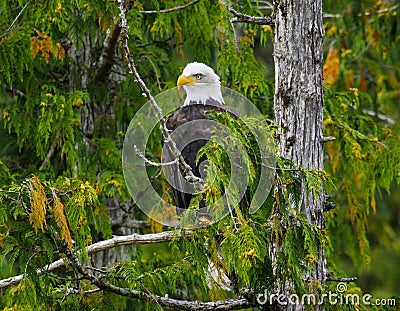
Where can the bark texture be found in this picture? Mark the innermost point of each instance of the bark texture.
(99, 73)
(299, 97)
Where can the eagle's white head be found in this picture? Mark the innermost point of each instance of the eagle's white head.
(200, 83)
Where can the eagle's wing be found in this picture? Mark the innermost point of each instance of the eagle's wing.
(189, 133)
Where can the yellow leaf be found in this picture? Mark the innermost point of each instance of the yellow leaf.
(363, 84)
(349, 79)
(59, 52)
(39, 204)
(331, 67)
(333, 150)
(42, 43)
(373, 203)
(61, 221)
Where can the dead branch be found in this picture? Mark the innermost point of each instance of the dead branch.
(229, 304)
(107, 54)
(151, 163)
(383, 11)
(244, 18)
(135, 238)
(347, 280)
(176, 8)
(198, 182)
(379, 116)
(15, 20)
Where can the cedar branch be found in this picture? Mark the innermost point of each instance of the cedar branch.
(135, 238)
(198, 182)
(176, 8)
(229, 304)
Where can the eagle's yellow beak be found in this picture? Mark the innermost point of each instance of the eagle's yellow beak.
(184, 80)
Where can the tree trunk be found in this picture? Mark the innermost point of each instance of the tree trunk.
(298, 101)
(98, 113)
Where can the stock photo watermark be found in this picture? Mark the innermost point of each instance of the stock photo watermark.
(340, 297)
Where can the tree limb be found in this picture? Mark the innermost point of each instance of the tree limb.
(198, 182)
(379, 116)
(383, 11)
(244, 18)
(50, 153)
(135, 238)
(151, 163)
(107, 54)
(15, 20)
(348, 280)
(176, 8)
(229, 304)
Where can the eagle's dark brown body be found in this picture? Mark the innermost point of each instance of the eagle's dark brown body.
(189, 125)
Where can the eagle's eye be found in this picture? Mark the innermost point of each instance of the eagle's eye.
(199, 76)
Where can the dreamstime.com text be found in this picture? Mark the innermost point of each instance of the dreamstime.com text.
(333, 298)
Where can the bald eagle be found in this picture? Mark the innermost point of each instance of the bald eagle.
(189, 127)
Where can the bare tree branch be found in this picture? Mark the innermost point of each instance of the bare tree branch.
(229, 304)
(176, 8)
(383, 11)
(50, 152)
(15, 92)
(347, 280)
(244, 18)
(198, 182)
(107, 54)
(151, 163)
(379, 116)
(15, 20)
(135, 238)
(365, 49)
(155, 71)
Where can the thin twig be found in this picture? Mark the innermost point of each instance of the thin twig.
(347, 280)
(50, 152)
(383, 11)
(379, 116)
(157, 164)
(231, 213)
(91, 291)
(176, 8)
(155, 71)
(15, 20)
(68, 292)
(361, 52)
(244, 18)
(152, 180)
(361, 135)
(104, 272)
(198, 182)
